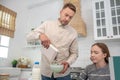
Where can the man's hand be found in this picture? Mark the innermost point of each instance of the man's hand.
(44, 40)
(66, 65)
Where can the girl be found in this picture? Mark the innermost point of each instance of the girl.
(99, 70)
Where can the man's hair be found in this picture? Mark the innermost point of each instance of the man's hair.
(71, 6)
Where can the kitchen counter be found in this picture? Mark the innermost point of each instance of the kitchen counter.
(26, 73)
(75, 72)
(13, 73)
(76, 69)
(26, 69)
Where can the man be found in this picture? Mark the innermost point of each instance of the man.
(63, 37)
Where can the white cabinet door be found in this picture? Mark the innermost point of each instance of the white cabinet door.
(25, 75)
(106, 15)
(115, 18)
(14, 78)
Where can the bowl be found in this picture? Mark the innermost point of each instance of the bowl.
(56, 67)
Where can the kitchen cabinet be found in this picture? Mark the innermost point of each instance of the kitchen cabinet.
(106, 16)
(26, 74)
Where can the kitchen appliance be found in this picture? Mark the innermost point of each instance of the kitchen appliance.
(75, 72)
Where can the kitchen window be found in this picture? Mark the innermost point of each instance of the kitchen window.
(7, 29)
(4, 45)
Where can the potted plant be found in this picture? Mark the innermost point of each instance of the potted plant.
(14, 63)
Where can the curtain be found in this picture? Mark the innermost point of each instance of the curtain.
(7, 21)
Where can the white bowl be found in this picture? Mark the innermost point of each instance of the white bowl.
(56, 67)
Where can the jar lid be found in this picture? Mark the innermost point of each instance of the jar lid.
(36, 62)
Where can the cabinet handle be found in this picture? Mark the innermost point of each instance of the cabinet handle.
(111, 36)
(108, 37)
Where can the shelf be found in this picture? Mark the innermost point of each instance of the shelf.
(33, 46)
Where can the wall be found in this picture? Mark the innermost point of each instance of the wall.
(31, 13)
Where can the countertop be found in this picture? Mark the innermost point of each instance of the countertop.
(26, 69)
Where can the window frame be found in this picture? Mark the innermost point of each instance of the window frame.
(4, 47)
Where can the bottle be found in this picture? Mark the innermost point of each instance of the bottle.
(36, 75)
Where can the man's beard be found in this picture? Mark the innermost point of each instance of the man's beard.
(63, 23)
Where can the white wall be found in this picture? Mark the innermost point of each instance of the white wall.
(30, 13)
